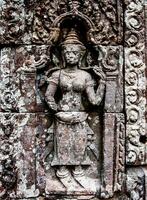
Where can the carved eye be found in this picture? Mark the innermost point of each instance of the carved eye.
(76, 52)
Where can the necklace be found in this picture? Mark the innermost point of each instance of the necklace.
(70, 71)
(70, 75)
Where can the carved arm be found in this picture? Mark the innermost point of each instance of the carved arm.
(51, 90)
(96, 97)
(49, 96)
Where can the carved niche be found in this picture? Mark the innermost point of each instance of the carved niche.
(72, 100)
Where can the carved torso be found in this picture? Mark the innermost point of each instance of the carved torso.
(72, 85)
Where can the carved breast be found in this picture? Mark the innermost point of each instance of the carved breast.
(72, 86)
(75, 81)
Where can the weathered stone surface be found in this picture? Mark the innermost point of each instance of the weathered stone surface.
(23, 21)
(18, 158)
(113, 154)
(44, 153)
(72, 100)
(7, 162)
(111, 61)
(136, 183)
(74, 171)
(20, 84)
(105, 23)
(13, 22)
(21, 24)
(44, 149)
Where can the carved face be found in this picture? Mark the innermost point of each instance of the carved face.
(72, 54)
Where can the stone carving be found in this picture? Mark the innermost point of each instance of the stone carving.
(71, 130)
(103, 16)
(113, 164)
(111, 61)
(120, 159)
(136, 178)
(33, 27)
(18, 68)
(62, 128)
(135, 82)
(8, 90)
(7, 163)
(12, 21)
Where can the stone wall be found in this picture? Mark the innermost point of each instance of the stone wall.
(100, 104)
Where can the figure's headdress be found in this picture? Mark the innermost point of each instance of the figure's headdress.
(72, 38)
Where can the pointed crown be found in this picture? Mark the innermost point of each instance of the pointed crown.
(72, 38)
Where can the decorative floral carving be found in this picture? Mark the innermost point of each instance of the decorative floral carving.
(7, 163)
(109, 58)
(43, 23)
(12, 20)
(135, 82)
(103, 16)
(9, 92)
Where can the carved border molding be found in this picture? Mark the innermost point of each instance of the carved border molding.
(135, 82)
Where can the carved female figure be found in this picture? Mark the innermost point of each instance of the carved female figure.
(70, 126)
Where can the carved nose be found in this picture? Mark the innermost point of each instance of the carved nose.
(71, 54)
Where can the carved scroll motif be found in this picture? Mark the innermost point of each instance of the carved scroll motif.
(135, 82)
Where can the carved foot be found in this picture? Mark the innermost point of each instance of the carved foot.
(78, 172)
(53, 184)
(63, 172)
(67, 180)
(87, 183)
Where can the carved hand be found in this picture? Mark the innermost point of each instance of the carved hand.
(49, 96)
(52, 105)
(99, 72)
